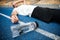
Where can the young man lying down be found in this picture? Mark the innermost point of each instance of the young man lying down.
(45, 14)
(19, 28)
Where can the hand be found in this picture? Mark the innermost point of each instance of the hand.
(14, 19)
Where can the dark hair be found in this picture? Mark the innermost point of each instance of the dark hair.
(13, 6)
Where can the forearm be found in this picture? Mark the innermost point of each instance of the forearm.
(14, 13)
(18, 1)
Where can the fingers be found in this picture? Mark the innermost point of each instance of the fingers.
(14, 19)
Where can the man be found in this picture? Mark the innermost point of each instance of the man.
(44, 14)
(21, 27)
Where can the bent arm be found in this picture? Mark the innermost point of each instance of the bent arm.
(19, 1)
(15, 4)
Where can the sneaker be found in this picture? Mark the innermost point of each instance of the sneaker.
(35, 25)
(32, 26)
(22, 29)
(21, 32)
(14, 31)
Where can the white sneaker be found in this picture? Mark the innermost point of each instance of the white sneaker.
(18, 29)
(30, 27)
(14, 31)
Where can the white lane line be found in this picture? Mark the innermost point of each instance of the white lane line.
(5, 16)
(10, 18)
(48, 34)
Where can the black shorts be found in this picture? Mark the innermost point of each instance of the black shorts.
(45, 14)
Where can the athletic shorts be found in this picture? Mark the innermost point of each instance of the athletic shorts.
(46, 14)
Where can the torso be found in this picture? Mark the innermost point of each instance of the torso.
(25, 9)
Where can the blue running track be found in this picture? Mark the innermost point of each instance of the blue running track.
(5, 24)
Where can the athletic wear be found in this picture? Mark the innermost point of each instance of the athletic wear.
(18, 29)
(45, 14)
(25, 9)
(42, 14)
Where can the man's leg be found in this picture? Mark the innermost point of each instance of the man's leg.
(26, 27)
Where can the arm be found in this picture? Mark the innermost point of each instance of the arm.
(14, 17)
(19, 1)
(16, 2)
